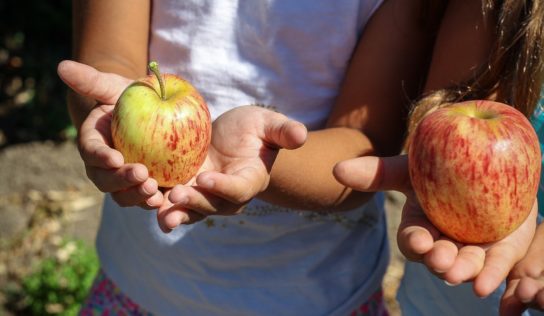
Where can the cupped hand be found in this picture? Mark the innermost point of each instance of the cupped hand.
(525, 283)
(245, 143)
(129, 184)
(486, 265)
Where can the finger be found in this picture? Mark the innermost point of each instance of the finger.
(503, 255)
(89, 82)
(527, 289)
(94, 141)
(441, 257)
(113, 180)
(137, 194)
(237, 188)
(499, 261)
(539, 300)
(281, 132)
(176, 215)
(416, 235)
(202, 202)
(154, 202)
(510, 304)
(469, 262)
(529, 266)
(371, 174)
(170, 215)
(414, 242)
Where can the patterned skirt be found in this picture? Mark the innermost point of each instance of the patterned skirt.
(105, 298)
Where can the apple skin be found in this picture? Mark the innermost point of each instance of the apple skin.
(475, 169)
(171, 136)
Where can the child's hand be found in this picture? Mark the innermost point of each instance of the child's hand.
(525, 287)
(487, 265)
(128, 184)
(244, 146)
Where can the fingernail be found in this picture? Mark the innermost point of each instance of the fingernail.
(155, 200)
(450, 284)
(181, 200)
(207, 183)
(135, 176)
(150, 187)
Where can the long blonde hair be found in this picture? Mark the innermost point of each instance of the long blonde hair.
(514, 72)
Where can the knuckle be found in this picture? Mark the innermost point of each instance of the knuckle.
(533, 270)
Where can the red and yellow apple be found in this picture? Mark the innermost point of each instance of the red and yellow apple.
(163, 122)
(475, 169)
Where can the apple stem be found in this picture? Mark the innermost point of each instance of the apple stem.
(154, 67)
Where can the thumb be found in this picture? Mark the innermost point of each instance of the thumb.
(510, 304)
(282, 132)
(89, 82)
(372, 174)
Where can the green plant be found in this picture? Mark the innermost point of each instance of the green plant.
(60, 283)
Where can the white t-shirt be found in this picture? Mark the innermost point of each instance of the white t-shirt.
(268, 260)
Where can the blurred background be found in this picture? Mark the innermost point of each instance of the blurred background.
(49, 210)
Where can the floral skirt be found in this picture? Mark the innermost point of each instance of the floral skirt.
(105, 298)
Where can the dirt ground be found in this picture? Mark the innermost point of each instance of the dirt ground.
(45, 196)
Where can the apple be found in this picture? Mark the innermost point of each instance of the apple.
(475, 169)
(163, 122)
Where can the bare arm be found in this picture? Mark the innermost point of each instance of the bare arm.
(111, 36)
(386, 71)
(462, 46)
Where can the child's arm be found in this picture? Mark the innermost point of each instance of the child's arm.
(111, 36)
(525, 287)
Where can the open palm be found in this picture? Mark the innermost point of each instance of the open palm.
(486, 265)
(244, 146)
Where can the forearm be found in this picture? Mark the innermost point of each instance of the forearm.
(303, 178)
(369, 113)
(111, 36)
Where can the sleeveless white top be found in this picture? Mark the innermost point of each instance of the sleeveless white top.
(268, 260)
